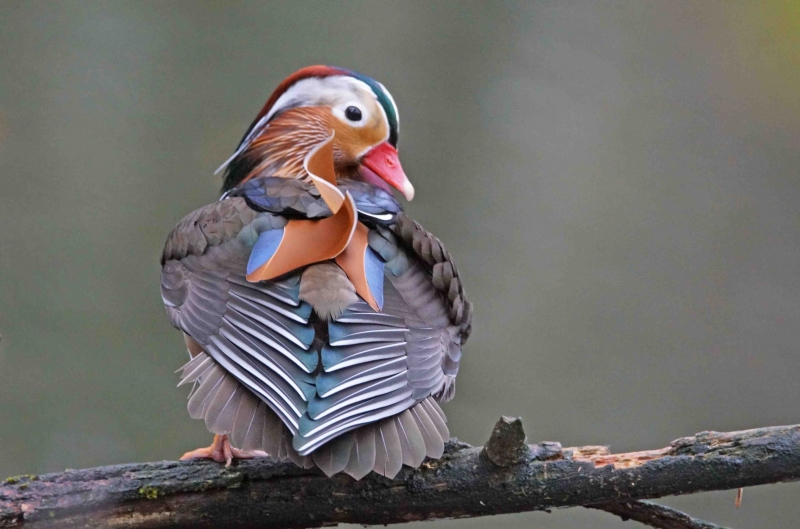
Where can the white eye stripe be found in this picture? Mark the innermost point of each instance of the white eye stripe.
(327, 90)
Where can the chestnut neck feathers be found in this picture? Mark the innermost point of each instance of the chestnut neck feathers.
(281, 148)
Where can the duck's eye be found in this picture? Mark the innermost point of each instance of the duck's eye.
(353, 113)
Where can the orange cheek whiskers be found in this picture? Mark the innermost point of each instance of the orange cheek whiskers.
(283, 145)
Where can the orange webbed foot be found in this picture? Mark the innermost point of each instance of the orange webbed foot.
(221, 451)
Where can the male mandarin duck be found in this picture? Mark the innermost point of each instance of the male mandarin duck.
(323, 324)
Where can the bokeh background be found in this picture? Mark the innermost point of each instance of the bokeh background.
(618, 180)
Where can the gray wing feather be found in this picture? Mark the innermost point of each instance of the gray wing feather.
(332, 457)
(194, 368)
(291, 453)
(388, 452)
(222, 410)
(362, 455)
(201, 397)
(437, 417)
(384, 446)
(247, 422)
(434, 444)
(412, 444)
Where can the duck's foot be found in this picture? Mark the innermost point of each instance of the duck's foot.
(221, 451)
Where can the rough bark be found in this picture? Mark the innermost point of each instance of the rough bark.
(508, 476)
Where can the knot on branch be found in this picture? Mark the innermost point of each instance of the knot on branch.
(507, 446)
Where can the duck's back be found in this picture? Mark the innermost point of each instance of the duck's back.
(301, 366)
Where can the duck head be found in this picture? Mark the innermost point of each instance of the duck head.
(306, 109)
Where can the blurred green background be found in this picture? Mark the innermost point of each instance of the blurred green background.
(618, 180)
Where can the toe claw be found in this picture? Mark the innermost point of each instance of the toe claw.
(227, 453)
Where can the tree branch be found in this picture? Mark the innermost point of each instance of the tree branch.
(654, 515)
(507, 476)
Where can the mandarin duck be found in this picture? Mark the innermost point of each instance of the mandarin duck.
(323, 324)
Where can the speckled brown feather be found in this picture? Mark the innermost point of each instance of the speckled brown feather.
(325, 286)
(208, 226)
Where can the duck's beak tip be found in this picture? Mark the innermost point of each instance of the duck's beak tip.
(408, 190)
(384, 162)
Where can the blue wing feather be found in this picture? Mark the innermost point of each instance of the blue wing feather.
(264, 248)
(373, 269)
